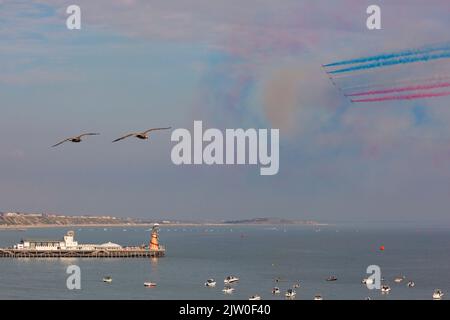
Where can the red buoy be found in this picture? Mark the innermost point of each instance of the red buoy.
(382, 248)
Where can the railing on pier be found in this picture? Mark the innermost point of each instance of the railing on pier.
(25, 253)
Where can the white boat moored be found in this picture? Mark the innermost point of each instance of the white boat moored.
(331, 278)
(230, 280)
(255, 297)
(290, 293)
(438, 294)
(149, 284)
(385, 289)
(276, 290)
(210, 283)
(107, 279)
(228, 290)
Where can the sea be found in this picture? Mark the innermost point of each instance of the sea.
(262, 256)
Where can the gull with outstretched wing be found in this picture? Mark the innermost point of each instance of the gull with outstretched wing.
(76, 139)
(141, 135)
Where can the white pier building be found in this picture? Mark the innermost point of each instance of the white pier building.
(67, 243)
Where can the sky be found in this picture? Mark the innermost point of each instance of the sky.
(137, 64)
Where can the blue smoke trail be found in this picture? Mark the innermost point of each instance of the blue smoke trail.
(426, 57)
(387, 56)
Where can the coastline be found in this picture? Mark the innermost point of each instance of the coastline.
(122, 225)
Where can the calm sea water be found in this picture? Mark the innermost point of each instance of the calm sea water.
(256, 254)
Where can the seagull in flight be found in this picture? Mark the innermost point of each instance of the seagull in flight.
(141, 135)
(76, 139)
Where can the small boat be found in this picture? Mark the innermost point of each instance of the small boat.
(367, 281)
(149, 284)
(276, 290)
(318, 297)
(210, 283)
(228, 290)
(296, 286)
(438, 294)
(107, 279)
(399, 279)
(255, 297)
(385, 289)
(290, 293)
(230, 280)
(411, 284)
(331, 278)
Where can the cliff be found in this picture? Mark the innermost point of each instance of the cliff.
(36, 219)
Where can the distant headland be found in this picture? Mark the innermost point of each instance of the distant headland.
(273, 221)
(18, 220)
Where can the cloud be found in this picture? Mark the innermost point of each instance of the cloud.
(255, 41)
(259, 66)
(38, 76)
(281, 96)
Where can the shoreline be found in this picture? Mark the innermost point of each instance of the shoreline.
(122, 225)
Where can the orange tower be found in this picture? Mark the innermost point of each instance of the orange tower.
(154, 239)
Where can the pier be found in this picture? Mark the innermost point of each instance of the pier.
(69, 248)
(124, 253)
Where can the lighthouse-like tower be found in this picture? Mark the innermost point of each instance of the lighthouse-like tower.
(154, 239)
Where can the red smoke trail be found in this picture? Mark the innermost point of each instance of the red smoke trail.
(402, 89)
(405, 97)
(409, 82)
